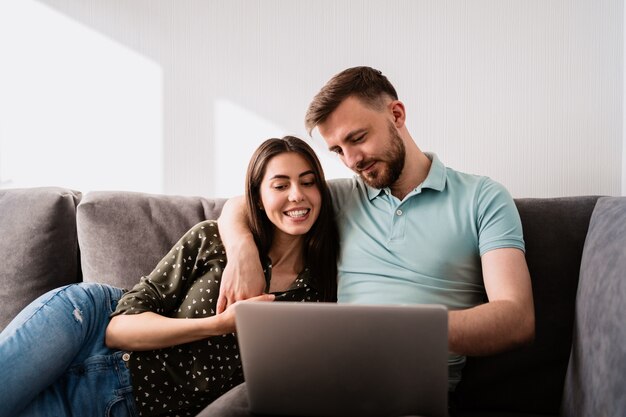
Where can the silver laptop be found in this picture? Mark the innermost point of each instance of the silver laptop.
(323, 359)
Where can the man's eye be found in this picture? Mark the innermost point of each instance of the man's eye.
(338, 151)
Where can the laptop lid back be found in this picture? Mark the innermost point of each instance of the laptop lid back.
(322, 359)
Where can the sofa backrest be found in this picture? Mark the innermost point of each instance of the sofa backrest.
(38, 245)
(595, 377)
(530, 379)
(123, 235)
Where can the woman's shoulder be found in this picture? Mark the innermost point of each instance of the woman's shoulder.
(204, 232)
(206, 225)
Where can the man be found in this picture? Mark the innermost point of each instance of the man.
(412, 230)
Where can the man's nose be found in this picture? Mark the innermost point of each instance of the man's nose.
(352, 159)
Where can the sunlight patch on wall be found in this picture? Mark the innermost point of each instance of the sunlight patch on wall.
(77, 109)
(238, 132)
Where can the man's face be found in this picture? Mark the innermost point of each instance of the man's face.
(367, 142)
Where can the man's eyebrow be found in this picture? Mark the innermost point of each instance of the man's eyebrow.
(349, 137)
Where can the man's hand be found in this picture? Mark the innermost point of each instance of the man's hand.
(243, 276)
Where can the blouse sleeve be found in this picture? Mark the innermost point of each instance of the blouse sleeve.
(200, 250)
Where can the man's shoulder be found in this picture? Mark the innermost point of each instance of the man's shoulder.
(343, 186)
(473, 184)
(342, 183)
(343, 190)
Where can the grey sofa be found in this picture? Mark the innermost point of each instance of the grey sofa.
(576, 252)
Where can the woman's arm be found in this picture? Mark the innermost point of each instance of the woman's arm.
(243, 275)
(157, 312)
(149, 330)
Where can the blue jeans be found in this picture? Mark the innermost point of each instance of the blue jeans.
(54, 362)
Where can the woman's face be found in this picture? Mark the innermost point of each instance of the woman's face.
(289, 194)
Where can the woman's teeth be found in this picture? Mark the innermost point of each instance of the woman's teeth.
(297, 213)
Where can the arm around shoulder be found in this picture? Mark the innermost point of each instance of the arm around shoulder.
(243, 276)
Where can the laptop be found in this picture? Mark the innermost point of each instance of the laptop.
(324, 359)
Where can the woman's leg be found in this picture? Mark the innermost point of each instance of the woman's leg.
(55, 333)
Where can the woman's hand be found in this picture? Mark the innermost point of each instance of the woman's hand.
(148, 330)
(227, 318)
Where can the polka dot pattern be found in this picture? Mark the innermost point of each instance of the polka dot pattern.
(182, 380)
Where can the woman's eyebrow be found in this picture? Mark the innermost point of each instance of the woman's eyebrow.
(282, 176)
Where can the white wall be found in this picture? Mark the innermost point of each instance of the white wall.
(528, 92)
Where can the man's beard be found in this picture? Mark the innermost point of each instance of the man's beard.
(390, 165)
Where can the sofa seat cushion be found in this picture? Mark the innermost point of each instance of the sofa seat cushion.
(38, 248)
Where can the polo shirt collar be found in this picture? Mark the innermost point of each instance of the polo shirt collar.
(435, 180)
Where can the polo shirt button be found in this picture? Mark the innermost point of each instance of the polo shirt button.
(399, 212)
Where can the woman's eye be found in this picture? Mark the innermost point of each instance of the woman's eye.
(279, 186)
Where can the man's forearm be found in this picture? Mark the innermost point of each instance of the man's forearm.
(490, 328)
(243, 276)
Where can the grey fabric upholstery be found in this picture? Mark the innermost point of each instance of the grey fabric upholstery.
(123, 235)
(596, 381)
(530, 379)
(38, 246)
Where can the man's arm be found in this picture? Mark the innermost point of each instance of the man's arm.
(243, 276)
(508, 319)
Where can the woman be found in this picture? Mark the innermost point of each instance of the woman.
(62, 355)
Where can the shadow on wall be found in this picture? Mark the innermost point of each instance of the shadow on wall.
(78, 109)
(513, 90)
(220, 89)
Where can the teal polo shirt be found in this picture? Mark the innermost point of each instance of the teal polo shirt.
(426, 248)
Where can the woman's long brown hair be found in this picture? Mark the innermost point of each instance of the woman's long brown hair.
(321, 242)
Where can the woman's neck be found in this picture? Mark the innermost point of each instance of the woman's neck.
(287, 260)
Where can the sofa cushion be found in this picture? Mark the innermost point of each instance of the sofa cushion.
(530, 379)
(38, 248)
(595, 378)
(123, 235)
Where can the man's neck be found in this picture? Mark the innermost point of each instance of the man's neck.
(415, 171)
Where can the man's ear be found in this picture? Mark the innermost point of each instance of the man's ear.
(398, 113)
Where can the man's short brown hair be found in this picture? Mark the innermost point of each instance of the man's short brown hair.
(367, 84)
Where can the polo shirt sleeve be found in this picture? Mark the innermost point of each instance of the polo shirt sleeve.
(163, 290)
(498, 221)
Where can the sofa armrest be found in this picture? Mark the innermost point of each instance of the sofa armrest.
(596, 374)
(38, 248)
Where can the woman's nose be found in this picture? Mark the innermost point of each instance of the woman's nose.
(295, 194)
